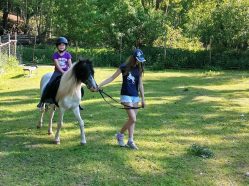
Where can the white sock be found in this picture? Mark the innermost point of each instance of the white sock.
(130, 139)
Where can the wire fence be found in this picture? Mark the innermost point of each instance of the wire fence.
(8, 46)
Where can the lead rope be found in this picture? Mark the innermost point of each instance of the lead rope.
(101, 91)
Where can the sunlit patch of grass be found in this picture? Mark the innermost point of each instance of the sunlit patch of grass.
(206, 99)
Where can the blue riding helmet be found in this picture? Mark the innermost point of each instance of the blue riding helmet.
(61, 40)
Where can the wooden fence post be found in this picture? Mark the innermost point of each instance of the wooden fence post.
(9, 44)
(210, 50)
(33, 54)
(15, 42)
(0, 44)
(0, 49)
(76, 43)
(165, 50)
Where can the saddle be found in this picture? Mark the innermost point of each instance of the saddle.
(50, 91)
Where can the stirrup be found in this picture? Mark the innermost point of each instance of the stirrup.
(81, 108)
(40, 105)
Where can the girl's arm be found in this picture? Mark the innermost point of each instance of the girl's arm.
(56, 63)
(110, 79)
(69, 63)
(141, 89)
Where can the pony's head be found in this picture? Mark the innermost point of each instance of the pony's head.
(84, 73)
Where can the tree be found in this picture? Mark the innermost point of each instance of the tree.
(231, 25)
(5, 6)
(226, 22)
(105, 24)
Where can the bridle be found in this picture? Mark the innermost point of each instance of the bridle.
(102, 93)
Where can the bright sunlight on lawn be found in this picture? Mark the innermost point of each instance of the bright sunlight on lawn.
(183, 108)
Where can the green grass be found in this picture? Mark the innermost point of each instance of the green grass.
(183, 108)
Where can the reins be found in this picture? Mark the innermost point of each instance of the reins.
(102, 93)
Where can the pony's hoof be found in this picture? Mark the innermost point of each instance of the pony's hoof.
(57, 142)
(50, 133)
(39, 124)
(82, 143)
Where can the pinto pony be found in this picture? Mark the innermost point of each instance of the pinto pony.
(68, 95)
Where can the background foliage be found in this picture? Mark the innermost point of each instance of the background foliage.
(208, 28)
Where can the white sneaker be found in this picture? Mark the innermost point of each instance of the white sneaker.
(120, 139)
(132, 145)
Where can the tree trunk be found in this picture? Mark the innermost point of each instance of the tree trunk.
(5, 16)
(5, 21)
(158, 4)
(143, 3)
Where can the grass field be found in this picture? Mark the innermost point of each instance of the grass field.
(183, 108)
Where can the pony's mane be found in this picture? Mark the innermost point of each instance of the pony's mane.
(71, 80)
(68, 84)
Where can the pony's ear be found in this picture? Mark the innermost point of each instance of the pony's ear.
(80, 59)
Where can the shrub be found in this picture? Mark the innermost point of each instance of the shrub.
(155, 59)
(10, 64)
(42, 55)
(200, 151)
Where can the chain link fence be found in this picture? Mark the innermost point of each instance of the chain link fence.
(7, 49)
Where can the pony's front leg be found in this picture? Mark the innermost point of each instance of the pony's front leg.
(50, 130)
(40, 123)
(76, 112)
(59, 125)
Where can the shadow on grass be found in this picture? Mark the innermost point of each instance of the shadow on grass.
(18, 76)
(173, 120)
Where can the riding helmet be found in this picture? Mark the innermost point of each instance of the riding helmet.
(61, 40)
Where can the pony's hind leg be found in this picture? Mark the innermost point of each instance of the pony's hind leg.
(40, 122)
(81, 123)
(50, 130)
(59, 125)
